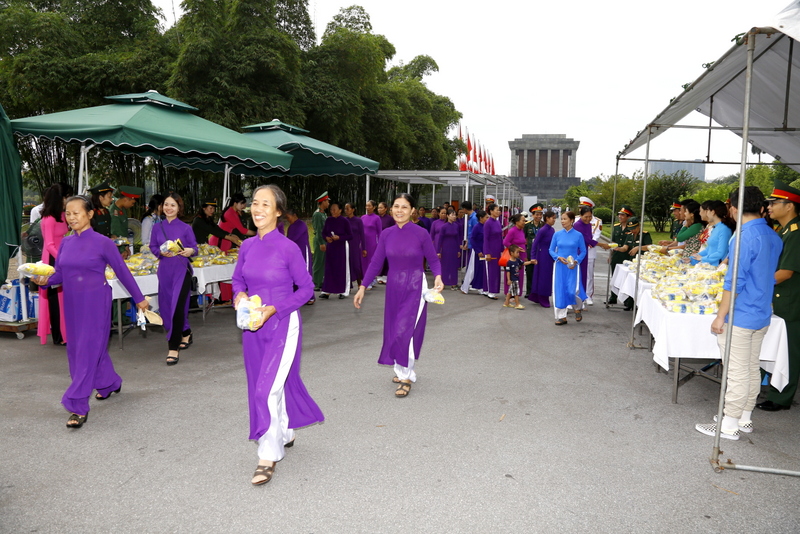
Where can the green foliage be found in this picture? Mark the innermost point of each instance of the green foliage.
(785, 174)
(239, 62)
(713, 191)
(604, 214)
(662, 191)
(573, 194)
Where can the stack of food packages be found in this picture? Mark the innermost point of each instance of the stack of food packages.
(681, 287)
(211, 255)
(140, 264)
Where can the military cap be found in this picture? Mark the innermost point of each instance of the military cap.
(633, 222)
(784, 192)
(586, 201)
(536, 207)
(209, 202)
(101, 189)
(323, 197)
(625, 210)
(676, 205)
(130, 191)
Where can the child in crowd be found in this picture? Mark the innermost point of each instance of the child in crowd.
(512, 277)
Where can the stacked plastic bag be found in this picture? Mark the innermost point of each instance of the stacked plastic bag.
(698, 290)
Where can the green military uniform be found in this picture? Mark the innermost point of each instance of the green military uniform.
(618, 235)
(785, 305)
(101, 220)
(318, 223)
(531, 229)
(120, 216)
(631, 241)
(675, 228)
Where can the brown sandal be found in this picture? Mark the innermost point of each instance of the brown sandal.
(403, 389)
(561, 322)
(265, 471)
(578, 316)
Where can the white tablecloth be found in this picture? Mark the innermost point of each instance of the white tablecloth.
(623, 283)
(687, 335)
(148, 285)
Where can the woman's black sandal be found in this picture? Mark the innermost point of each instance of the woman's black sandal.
(76, 421)
(100, 397)
(185, 344)
(172, 360)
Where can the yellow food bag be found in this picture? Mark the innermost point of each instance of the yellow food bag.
(36, 269)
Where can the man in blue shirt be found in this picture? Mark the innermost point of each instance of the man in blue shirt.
(758, 261)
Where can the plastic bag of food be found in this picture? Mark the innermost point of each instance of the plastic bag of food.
(434, 297)
(246, 314)
(36, 269)
(171, 246)
(110, 274)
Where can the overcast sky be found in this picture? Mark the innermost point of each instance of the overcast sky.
(595, 71)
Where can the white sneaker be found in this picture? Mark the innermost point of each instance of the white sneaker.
(588, 302)
(744, 426)
(711, 430)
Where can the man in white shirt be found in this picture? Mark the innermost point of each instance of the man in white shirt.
(36, 212)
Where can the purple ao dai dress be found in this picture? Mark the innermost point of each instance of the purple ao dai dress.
(479, 276)
(270, 267)
(586, 231)
(448, 242)
(337, 260)
(542, 283)
(492, 246)
(372, 231)
(80, 269)
(405, 312)
(515, 236)
(356, 247)
(172, 272)
(297, 232)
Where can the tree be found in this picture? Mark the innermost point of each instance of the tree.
(353, 18)
(662, 191)
(292, 19)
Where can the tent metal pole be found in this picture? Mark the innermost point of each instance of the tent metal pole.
(367, 199)
(788, 84)
(710, 114)
(613, 212)
(408, 188)
(751, 45)
(451, 194)
(631, 344)
(466, 218)
(81, 164)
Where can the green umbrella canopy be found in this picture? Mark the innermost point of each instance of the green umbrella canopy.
(150, 124)
(10, 194)
(311, 156)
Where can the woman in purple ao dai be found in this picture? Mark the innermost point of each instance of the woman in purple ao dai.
(448, 248)
(174, 275)
(542, 281)
(80, 269)
(356, 243)
(272, 267)
(372, 231)
(492, 249)
(337, 234)
(567, 249)
(404, 245)
(516, 236)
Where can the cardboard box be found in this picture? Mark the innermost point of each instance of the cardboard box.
(10, 310)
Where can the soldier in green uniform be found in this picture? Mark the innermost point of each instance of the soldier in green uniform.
(618, 235)
(677, 220)
(318, 251)
(784, 207)
(102, 198)
(636, 242)
(530, 229)
(120, 213)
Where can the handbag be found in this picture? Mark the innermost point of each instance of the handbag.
(505, 257)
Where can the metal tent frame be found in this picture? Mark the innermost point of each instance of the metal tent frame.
(723, 86)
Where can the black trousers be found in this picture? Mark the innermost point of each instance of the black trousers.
(55, 310)
(177, 317)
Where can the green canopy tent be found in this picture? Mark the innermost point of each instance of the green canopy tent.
(312, 157)
(152, 125)
(10, 194)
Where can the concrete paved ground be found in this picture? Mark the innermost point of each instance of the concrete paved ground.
(515, 425)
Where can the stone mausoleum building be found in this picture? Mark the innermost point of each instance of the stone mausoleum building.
(544, 164)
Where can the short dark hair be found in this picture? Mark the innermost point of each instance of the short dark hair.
(753, 200)
(407, 197)
(570, 214)
(586, 209)
(548, 214)
(515, 218)
(513, 248)
(481, 214)
(491, 207)
(466, 205)
(86, 202)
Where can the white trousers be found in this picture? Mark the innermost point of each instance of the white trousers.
(408, 373)
(270, 445)
(470, 274)
(590, 277)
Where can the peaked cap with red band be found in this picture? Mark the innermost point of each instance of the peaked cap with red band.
(785, 192)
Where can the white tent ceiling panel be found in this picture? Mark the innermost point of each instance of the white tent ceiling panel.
(719, 92)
